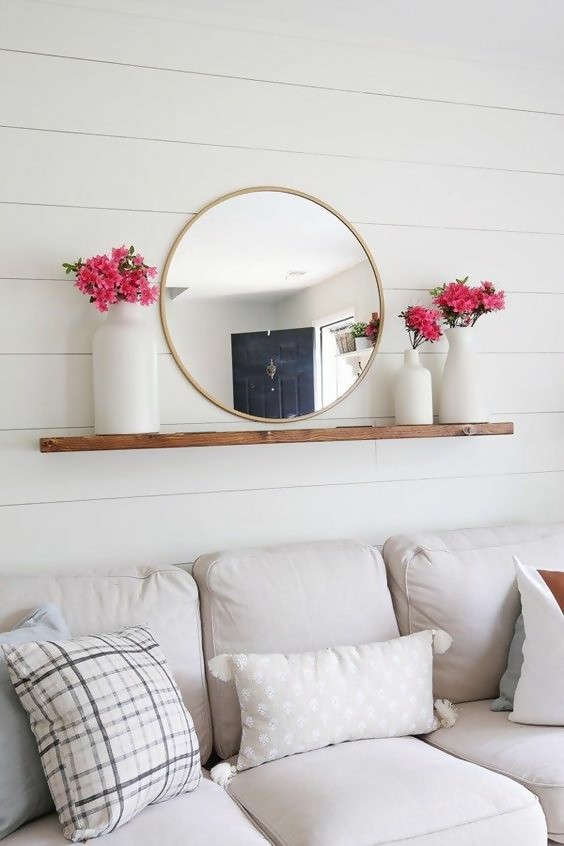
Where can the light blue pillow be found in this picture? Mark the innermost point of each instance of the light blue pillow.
(24, 794)
(510, 679)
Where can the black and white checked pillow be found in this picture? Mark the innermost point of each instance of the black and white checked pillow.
(112, 730)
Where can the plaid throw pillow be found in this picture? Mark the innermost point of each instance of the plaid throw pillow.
(112, 731)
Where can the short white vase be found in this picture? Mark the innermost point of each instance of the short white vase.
(362, 343)
(413, 392)
(461, 397)
(124, 355)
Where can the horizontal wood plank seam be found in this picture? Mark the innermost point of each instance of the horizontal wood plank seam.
(303, 85)
(185, 214)
(283, 150)
(70, 282)
(343, 421)
(238, 491)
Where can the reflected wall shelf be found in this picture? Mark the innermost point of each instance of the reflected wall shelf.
(169, 440)
(356, 359)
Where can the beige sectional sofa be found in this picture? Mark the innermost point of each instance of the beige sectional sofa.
(477, 783)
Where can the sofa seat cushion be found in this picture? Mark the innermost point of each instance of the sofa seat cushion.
(532, 755)
(206, 817)
(390, 791)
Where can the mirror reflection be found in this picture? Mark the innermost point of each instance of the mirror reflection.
(271, 304)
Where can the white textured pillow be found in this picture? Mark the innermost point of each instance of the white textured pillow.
(294, 703)
(539, 697)
(112, 731)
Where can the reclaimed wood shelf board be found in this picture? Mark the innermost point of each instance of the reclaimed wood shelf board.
(89, 443)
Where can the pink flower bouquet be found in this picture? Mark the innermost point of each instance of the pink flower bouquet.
(373, 329)
(422, 324)
(122, 276)
(461, 304)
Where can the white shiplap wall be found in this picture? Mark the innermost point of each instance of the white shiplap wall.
(118, 121)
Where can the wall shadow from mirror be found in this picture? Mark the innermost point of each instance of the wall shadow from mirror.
(263, 293)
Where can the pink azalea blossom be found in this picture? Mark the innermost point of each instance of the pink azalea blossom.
(121, 276)
(373, 329)
(491, 300)
(422, 324)
(461, 304)
(119, 253)
(459, 298)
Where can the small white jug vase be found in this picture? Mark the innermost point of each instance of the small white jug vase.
(362, 343)
(124, 355)
(413, 394)
(461, 398)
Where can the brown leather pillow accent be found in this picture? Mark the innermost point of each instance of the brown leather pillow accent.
(555, 581)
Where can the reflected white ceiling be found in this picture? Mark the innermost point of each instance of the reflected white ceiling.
(267, 243)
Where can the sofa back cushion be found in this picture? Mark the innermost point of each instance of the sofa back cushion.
(95, 603)
(288, 599)
(464, 582)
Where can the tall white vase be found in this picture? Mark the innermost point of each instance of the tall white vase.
(413, 394)
(124, 356)
(461, 397)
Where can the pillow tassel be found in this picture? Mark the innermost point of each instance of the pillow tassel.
(221, 668)
(441, 641)
(446, 713)
(223, 773)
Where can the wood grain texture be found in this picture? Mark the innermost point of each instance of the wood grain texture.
(87, 443)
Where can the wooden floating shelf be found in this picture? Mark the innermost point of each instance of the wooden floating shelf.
(88, 443)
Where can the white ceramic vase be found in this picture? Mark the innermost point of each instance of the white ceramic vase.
(413, 394)
(362, 343)
(461, 397)
(124, 355)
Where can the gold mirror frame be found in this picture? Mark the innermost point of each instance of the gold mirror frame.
(162, 304)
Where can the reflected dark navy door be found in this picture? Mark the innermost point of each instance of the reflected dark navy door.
(290, 392)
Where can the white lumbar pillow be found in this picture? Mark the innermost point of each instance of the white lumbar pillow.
(295, 703)
(539, 697)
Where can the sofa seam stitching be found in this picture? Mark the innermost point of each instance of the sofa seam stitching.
(253, 815)
(461, 825)
(204, 678)
(219, 745)
(94, 576)
(407, 592)
(259, 826)
(281, 842)
(491, 768)
(491, 546)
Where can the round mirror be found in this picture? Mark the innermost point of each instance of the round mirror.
(271, 304)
